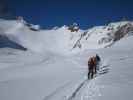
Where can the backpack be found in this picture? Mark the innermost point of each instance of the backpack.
(92, 61)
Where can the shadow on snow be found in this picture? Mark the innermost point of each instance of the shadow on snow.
(6, 43)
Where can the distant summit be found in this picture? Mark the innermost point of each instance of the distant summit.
(74, 27)
(31, 26)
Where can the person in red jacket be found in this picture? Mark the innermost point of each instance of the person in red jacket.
(91, 67)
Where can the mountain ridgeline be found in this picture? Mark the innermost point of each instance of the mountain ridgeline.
(64, 39)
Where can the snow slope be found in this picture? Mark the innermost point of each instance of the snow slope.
(114, 81)
(27, 76)
(56, 77)
(37, 41)
(43, 72)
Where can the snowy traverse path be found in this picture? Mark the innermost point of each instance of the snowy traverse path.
(41, 77)
(81, 93)
(85, 84)
(78, 90)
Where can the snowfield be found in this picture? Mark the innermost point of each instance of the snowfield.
(54, 66)
(114, 81)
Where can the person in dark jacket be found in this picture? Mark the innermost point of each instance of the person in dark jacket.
(98, 59)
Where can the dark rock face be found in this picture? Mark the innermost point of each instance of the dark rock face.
(74, 27)
(104, 40)
(122, 31)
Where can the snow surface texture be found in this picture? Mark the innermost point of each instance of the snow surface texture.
(46, 71)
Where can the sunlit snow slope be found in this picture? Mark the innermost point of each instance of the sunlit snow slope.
(43, 72)
(114, 81)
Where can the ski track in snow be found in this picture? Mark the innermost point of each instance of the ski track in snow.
(103, 70)
(57, 90)
(77, 90)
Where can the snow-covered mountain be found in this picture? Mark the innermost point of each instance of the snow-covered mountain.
(103, 36)
(41, 71)
(64, 39)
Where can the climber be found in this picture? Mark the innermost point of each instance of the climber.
(98, 59)
(91, 67)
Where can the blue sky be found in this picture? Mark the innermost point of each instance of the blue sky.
(50, 13)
